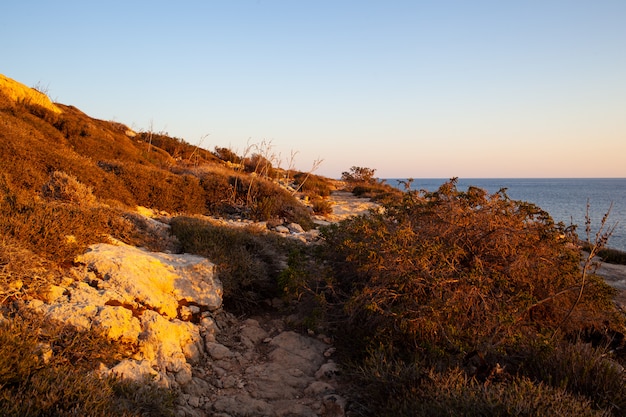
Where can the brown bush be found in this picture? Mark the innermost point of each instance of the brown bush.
(67, 188)
(159, 189)
(312, 185)
(456, 271)
(55, 230)
(49, 369)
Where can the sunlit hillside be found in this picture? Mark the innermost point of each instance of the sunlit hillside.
(68, 181)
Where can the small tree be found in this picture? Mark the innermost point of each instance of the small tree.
(359, 175)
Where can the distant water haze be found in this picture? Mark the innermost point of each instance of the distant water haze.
(565, 199)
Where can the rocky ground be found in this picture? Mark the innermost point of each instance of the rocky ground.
(258, 367)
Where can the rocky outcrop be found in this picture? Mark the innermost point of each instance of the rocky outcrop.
(19, 92)
(147, 299)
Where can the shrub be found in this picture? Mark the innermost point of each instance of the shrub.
(312, 185)
(454, 271)
(248, 261)
(159, 189)
(266, 201)
(58, 231)
(227, 155)
(218, 193)
(579, 368)
(67, 188)
(613, 256)
(50, 369)
(321, 206)
(359, 175)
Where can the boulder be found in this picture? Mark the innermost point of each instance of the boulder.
(159, 281)
(139, 297)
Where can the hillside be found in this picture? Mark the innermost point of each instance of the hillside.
(141, 275)
(71, 186)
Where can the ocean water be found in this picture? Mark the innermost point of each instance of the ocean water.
(565, 199)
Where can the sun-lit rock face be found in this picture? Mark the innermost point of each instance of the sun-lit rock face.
(19, 92)
(157, 281)
(143, 298)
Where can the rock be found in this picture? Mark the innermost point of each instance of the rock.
(54, 293)
(319, 388)
(184, 376)
(217, 351)
(334, 406)
(118, 323)
(251, 333)
(157, 280)
(169, 343)
(295, 228)
(242, 405)
(291, 408)
(296, 351)
(135, 370)
(282, 229)
(327, 371)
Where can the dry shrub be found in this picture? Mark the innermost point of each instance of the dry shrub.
(159, 189)
(465, 284)
(248, 261)
(218, 192)
(58, 231)
(67, 188)
(22, 273)
(312, 185)
(321, 206)
(49, 369)
(459, 271)
(267, 200)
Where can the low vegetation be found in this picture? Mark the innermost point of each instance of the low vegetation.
(465, 303)
(441, 303)
(248, 260)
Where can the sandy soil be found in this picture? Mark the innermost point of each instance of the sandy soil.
(345, 204)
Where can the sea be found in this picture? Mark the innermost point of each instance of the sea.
(564, 198)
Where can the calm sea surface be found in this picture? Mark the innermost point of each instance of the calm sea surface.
(565, 199)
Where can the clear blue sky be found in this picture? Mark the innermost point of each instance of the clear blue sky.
(411, 88)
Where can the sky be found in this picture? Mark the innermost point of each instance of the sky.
(430, 89)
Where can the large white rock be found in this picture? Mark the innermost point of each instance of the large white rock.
(137, 296)
(160, 281)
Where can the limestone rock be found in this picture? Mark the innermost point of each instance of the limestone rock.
(135, 370)
(295, 228)
(119, 323)
(157, 280)
(282, 229)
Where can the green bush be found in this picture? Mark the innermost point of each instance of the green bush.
(579, 368)
(613, 256)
